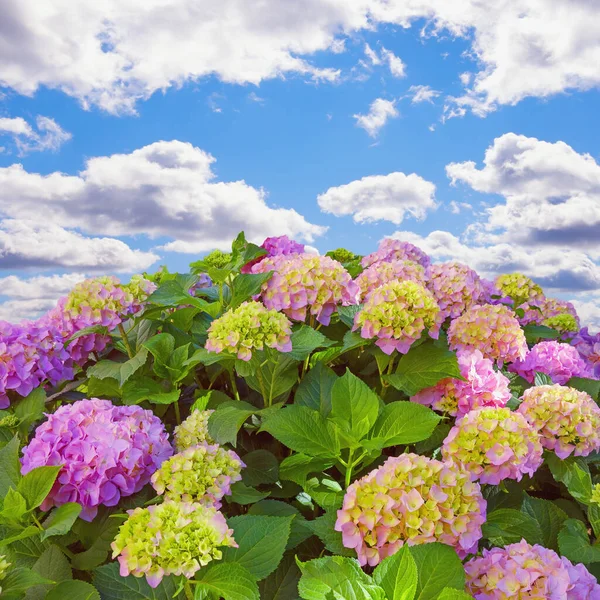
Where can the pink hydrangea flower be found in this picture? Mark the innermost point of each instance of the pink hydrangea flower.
(455, 287)
(491, 329)
(384, 272)
(557, 314)
(305, 283)
(494, 444)
(275, 246)
(391, 250)
(107, 452)
(412, 500)
(568, 420)
(559, 361)
(588, 346)
(483, 386)
(524, 571)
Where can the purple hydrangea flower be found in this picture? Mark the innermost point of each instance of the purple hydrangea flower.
(588, 346)
(390, 250)
(275, 246)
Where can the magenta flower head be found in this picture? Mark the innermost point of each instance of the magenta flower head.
(559, 361)
(518, 287)
(384, 272)
(412, 500)
(491, 329)
(106, 451)
(567, 420)
(249, 327)
(524, 571)
(305, 283)
(588, 346)
(391, 250)
(275, 246)
(483, 387)
(173, 538)
(397, 313)
(455, 287)
(494, 444)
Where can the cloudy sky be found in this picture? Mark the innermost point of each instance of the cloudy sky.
(135, 133)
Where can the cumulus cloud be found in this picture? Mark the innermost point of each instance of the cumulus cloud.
(422, 93)
(395, 63)
(588, 308)
(165, 189)
(379, 113)
(552, 192)
(49, 134)
(29, 244)
(381, 198)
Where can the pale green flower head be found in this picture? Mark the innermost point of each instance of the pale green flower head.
(193, 431)
(519, 287)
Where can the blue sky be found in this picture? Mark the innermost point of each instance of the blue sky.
(324, 113)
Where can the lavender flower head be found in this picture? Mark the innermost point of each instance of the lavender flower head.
(567, 420)
(524, 571)
(559, 361)
(412, 500)
(483, 387)
(588, 346)
(397, 313)
(107, 452)
(275, 246)
(391, 250)
(384, 272)
(305, 283)
(491, 329)
(494, 444)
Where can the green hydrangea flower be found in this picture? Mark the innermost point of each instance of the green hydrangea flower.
(564, 323)
(519, 287)
(342, 255)
(217, 259)
(193, 431)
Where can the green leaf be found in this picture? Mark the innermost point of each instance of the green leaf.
(326, 497)
(397, 575)
(593, 514)
(424, 366)
(52, 565)
(542, 379)
(548, 516)
(261, 468)
(305, 340)
(18, 580)
(282, 584)
(104, 388)
(354, 406)
(228, 581)
(101, 329)
(21, 535)
(261, 540)
(438, 567)
(589, 386)
(533, 333)
(323, 528)
(452, 594)
(243, 494)
(315, 388)
(508, 526)
(336, 577)
(574, 473)
(574, 543)
(298, 467)
(247, 285)
(99, 549)
(275, 377)
(347, 313)
(404, 423)
(73, 590)
(225, 422)
(170, 293)
(275, 508)
(121, 371)
(14, 507)
(114, 587)
(31, 408)
(161, 346)
(303, 430)
(10, 467)
(36, 485)
(61, 520)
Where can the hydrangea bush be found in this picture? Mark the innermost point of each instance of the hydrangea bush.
(276, 424)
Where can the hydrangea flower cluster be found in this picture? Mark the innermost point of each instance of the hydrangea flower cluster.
(30, 354)
(275, 246)
(391, 250)
(106, 451)
(173, 538)
(491, 329)
(567, 420)
(524, 571)
(342, 255)
(565, 323)
(203, 473)
(193, 431)
(4, 566)
(304, 283)
(559, 361)
(595, 497)
(483, 386)
(557, 314)
(411, 499)
(455, 287)
(494, 444)
(588, 346)
(383, 272)
(397, 313)
(136, 293)
(249, 327)
(518, 287)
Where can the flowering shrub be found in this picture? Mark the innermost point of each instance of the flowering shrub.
(276, 424)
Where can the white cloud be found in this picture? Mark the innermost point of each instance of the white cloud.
(372, 55)
(381, 198)
(28, 244)
(552, 192)
(49, 134)
(254, 97)
(457, 207)
(379, 113)
(588, 309)
(422, 93)
(395, 63)
(165, 189)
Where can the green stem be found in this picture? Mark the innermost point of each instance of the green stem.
(35, 520)
(267, 401)
(234, 384)
(125, 340)
(349, 467)
(189, 594)
(177, 413)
